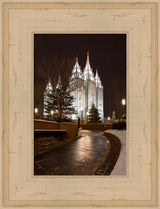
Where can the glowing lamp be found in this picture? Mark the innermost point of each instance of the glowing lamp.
(123, 101)
(36, 110)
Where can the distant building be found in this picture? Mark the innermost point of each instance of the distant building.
(86, 89)
(48, 91)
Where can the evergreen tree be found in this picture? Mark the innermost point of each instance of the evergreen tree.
(49, 66)
(60, 101)
(94, 115)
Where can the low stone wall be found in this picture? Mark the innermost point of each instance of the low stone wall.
(42, 124)
(72, 130)
(98, 126)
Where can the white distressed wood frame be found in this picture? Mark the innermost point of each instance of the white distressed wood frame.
(19, 21)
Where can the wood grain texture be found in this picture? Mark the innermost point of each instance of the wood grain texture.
(20, 20)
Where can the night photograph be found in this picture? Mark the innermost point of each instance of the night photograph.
(80, 104)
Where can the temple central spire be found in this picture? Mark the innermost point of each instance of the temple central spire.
(88, 62)
(88, 73)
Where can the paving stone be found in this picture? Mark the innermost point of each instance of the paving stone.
(87, 155)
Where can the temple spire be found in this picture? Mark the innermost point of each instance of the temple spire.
(98, 80)
(77, 59)
(76, 72)
(49, 87)
(59, 79)
(59, 84)
(76, 63)
(88, 62)
(96, 74)
(88, 73)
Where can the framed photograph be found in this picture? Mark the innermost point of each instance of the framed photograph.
(79, 104)
(75, 103)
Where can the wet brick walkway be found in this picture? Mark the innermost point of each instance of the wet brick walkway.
(83, 156)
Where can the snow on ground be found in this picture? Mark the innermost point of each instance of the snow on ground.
(120, 167)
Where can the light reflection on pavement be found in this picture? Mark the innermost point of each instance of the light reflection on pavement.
(80, 157)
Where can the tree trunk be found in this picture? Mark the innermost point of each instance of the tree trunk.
(59, 110)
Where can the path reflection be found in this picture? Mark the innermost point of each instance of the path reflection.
(80, 157)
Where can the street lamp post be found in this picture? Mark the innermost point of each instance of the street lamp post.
(52, 113)
(123, 102)
(81, 115)
(123, 106)
(36, 113)
(87, 117)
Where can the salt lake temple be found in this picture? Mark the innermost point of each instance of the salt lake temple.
(86, 89)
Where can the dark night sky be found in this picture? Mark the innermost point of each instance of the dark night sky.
(107, 54)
